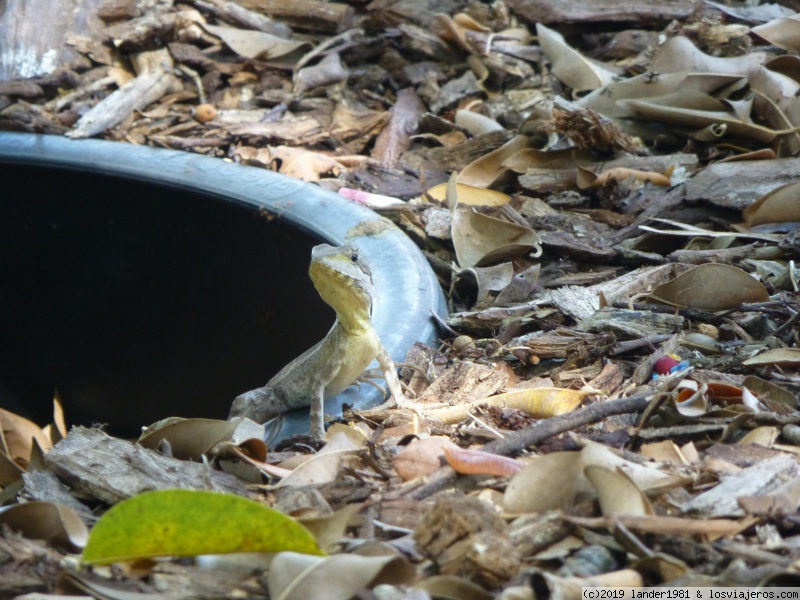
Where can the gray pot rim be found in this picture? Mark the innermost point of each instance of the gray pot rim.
(406, 288)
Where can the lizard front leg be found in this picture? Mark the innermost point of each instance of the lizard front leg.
(317, 416)
(390, 376)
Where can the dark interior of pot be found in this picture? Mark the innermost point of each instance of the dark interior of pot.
(139, 302)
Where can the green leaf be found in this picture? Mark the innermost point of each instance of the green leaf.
(191, 522)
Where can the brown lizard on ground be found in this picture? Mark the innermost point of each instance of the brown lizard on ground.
(329, 367)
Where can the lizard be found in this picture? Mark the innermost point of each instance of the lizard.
(344, 282)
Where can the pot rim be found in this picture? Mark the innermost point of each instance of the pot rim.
(407, 290)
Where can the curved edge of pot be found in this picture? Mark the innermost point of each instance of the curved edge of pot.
(406, 287)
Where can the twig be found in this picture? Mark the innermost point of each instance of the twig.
(538, 432)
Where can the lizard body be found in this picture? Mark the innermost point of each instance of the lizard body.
(345, 283)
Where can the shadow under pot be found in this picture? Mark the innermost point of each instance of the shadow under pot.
(146, 283)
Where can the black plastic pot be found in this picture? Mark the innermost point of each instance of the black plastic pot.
(147, 283)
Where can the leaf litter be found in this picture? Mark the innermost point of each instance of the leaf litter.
(612, 212)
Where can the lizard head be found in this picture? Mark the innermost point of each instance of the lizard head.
(344, 281)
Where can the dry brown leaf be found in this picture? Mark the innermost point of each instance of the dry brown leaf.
(677, 526)
(702, 117)
(540, 403)
(664, 451)
(421, 457)
(329, 71)
(785, 357)
(330, 529)
(783, 32)
(781, 205)
(588, 179)
(680, 54)
(47, 521)
(309, 166)
(489, 169)
(246, 460)
(188, 439)
(558, 480)
(616, 492)
(710, 287)
(607, 100)
(476, 123)
(452, 586)
(10, 471)
(295, 576)
(254, 44)
(569, 66)
(763, 436)
(532, 158)
(469, 195)
(321, 468)
(486, 280)
(18, 435)
(480, 240)
(546, 483)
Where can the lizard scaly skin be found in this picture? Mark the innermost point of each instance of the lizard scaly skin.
(345, 283)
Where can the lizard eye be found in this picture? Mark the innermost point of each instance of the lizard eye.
(354, 257)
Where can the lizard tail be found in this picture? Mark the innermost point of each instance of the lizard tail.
(260, 405)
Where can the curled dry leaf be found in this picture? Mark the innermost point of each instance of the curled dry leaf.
(451, 586)
(486, 280)
(18, 436)
(294, 576)
(588, 179)
(707, 118)
(329, 529)
(323, 467)
(480, 240)
(329, 71)
(763, 436)
(488, 169)
(680, 51)
(476, 123)
(421, 457)
(710, 287)
(616, 492)
(569, 66)
(254, 44)
(10, 471)
(781, 205)
(607, 100)
(309, 166)
(478, 462)
(532, 158)
(47, 521)
(247, 460)
(785, 357)
(188, 439)
(470, 195)
(540, 403)
(783, 32)
(558, 479)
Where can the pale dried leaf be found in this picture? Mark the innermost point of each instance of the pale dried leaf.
(254, 44)
(710, 287)
(576, 71)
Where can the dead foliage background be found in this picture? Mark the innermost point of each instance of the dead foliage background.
(609, 194)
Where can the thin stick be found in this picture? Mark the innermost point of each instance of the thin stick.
(538, 432)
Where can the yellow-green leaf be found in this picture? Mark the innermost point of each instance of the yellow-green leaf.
(540, 403)
(191, 522)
